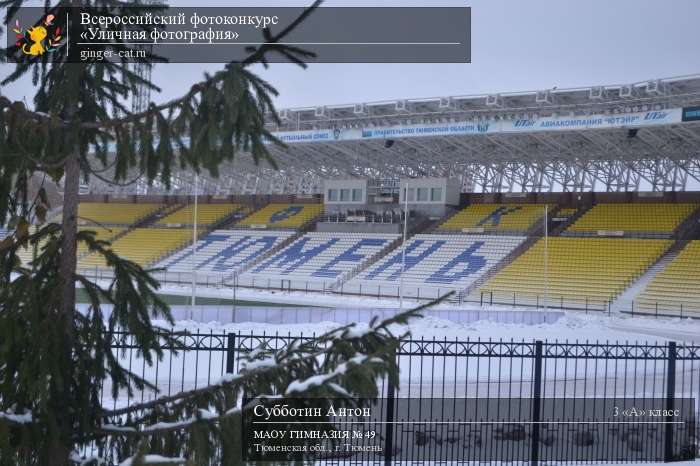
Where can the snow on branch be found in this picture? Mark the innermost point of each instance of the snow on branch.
(152, 459)
(300, 386)
(25, 418)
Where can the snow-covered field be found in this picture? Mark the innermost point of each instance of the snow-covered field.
(570, 326)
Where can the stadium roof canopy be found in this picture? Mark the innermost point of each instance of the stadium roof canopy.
(633, 137)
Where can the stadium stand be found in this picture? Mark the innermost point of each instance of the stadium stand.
(566, 213)
(318, 260)
(101, 233)
(678, 284)
(113, 213)
(143, 246)
(207, 214)
(282, 216)
(25, 255)
(595, 269)
(435, 262)
(495, 218)
(660, 219)
(221, 252)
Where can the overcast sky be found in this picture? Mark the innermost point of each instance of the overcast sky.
(517, 45)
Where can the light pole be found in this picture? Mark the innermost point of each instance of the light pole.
(194, 247)
(235, 279)
(403, 245)
(546, 257)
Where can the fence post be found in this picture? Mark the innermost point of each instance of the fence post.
(670, 399)
(389, 426)
(481, 299)
(536, 408)
(230, 352)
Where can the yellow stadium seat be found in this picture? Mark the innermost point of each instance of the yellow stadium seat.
(94, 214)
(207, 214)
(578, 269)
(283, 215)
(143, 246)
(495, 217)
(678, 284)
(636, 218)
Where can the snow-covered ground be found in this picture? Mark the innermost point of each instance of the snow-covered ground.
(570, 326)
(456, 375)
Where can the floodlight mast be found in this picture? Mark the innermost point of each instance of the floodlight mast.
(546, 256)
(403, 245)
(194, 246)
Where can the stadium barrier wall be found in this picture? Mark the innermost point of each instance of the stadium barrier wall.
(420, 294)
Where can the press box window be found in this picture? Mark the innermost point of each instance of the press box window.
(356, 195)
(344, 195)
(436, 194)
(332, 194)
(411, 194)
(423, 194)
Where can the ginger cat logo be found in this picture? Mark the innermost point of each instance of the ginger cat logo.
(35, 41)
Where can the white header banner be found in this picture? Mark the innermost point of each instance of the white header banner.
(623, 120)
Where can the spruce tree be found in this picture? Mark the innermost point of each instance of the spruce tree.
(53, 359)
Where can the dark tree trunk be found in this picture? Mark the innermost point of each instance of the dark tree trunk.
(70, 231)
(60, 448)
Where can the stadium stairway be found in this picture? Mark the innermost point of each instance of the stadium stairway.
(624, 302)
(316, 261)
(147, 220)
(151, 221)
(370, 261)
(534, 233)
(469, 293)
(675, 291)
(301, 231)
(557, 230)
(202, 230)
(435, 264)
(423, 225)
(690, 227)
(583, 272)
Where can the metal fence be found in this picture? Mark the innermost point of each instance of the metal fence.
(421, 294)
(529, 372)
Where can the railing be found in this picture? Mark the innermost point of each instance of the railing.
(419, 293)
(526, 373)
